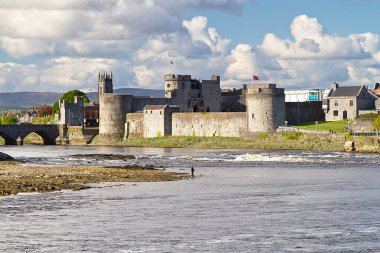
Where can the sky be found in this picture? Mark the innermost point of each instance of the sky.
(62, 45)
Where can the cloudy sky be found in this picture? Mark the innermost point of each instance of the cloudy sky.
(61, 45)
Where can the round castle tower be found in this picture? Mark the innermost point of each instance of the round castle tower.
(265, 107)
(112, 110)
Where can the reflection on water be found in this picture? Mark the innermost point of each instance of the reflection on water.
(244, 201)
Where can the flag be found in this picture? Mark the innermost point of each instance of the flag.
(256, 78)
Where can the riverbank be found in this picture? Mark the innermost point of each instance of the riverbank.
(272, 141)
(16, 177)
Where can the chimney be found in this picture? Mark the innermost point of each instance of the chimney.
(335, 86)
(377, 85)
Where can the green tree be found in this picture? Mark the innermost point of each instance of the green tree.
(69, 96)
(376, 123)
(8, 120)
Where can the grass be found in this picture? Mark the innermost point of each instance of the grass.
(335, 126)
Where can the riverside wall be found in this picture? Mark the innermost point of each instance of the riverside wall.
(231, 124)
(134, 125)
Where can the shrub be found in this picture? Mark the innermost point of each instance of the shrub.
(292, 136)
(376, 123)
(263, 136)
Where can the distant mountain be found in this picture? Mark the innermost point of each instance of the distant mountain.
(18, 100)
(132, 91)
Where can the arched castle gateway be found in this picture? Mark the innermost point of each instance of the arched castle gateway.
(190, 107)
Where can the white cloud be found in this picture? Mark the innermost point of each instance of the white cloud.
(137, 39)
(59, 74)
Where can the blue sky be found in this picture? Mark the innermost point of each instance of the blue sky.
(61, 45)
(257, 18)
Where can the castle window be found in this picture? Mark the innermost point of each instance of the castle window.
(253, 116)
(151, 112)
(168, 85)
(336, 103)
(335, 113)
(351, 102)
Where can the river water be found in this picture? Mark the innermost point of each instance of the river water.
(240, 201)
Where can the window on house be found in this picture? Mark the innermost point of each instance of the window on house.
(336, 103)
(335, 113)
(351, 102)
(168, 85)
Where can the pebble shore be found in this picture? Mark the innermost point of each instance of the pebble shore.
(17, 177)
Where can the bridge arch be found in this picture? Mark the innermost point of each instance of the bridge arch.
(8, 140)
(46, 138)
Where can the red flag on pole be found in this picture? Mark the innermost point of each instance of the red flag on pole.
(255, 78)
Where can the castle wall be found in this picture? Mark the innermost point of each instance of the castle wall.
(233, 101)
(212, 97)
(265, 107)
(177, 88)
(158, 120)
(209, 124)
(134, 125)
(113, 109)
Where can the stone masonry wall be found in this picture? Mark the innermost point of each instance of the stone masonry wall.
(209, 124)
(113, 109)
(265, 107)
(134, 125)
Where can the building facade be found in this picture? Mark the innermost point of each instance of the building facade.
(345, 102)
(71, 114)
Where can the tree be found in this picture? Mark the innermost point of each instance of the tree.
(43, 110)
(69, 96)
(8, 120)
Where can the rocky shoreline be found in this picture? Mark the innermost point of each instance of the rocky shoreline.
(16, 177)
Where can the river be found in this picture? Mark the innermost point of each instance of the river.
(240, 201)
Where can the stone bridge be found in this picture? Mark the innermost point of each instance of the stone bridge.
(15, 134)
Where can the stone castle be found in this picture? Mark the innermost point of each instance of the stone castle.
(190, 107)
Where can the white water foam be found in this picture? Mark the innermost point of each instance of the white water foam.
(270, 158)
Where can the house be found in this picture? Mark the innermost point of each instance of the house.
(345, 102)
(158, 120)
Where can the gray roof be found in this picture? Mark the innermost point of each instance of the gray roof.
(346, 91)
(154, 107)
